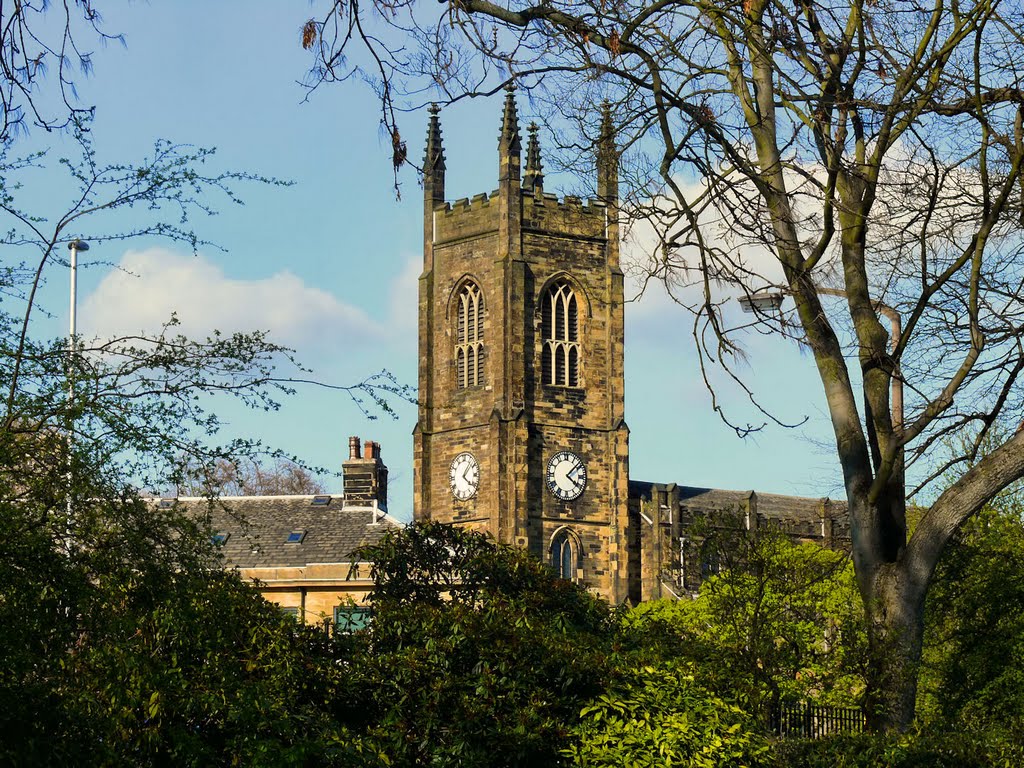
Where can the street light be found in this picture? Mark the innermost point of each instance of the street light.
(765, 301)
(74, 246)
(761, 302)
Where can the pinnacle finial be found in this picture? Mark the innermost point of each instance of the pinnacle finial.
(534, 176)
(509, 139)
(607, 157)
(607, 127)
(433, 157)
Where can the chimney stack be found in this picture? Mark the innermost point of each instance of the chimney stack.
(365, 479)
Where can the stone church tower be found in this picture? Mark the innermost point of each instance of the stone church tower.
(521, 430)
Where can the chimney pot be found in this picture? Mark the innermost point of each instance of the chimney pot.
(365, 478)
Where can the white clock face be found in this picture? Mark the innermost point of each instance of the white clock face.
(567, 476)
(464, 476)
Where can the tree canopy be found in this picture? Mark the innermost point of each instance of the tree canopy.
(124, 642)
(974, 629)
(781, 622)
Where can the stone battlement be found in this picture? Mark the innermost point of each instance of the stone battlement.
(568, 216)
(591, 207)
(466, 217)
(465, 204)
(476, 216)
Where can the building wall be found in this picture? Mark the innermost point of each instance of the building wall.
(313, 590)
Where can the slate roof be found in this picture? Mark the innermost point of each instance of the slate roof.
(770, 506)
(258, 528)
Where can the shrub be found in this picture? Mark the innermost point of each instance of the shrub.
(927, 749)
(658, 716)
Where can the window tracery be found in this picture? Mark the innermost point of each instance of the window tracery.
(469, 337)
(560, 331)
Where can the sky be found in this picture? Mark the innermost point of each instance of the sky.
(329, 265)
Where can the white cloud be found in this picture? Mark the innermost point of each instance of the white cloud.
(405, 295)
(151, 284)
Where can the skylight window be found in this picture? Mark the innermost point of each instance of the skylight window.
(220, 538)
(321, 501)
(295, 537)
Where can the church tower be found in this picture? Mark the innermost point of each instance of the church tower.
(521, 431)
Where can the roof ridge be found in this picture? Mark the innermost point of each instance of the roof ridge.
(226, 497)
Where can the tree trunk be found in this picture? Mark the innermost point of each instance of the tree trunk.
(894, 577)
(895, 615)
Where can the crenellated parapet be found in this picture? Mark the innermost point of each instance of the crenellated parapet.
(547, 214)
(568, 216)
(466, 218)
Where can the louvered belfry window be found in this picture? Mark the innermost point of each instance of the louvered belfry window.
(469, 337)
(560, 329)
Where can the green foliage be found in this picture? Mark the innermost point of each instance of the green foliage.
(478, 654)
(659, 716)
(442, 565)
(210, 674)
(973, 663)
(909, 750)
(129, 645)
(783, 621)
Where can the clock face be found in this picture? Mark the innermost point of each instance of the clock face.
(567, 476)
(464, 476)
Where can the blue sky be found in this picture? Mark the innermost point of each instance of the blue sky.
(329, 265)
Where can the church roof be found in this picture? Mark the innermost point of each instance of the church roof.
(769, 506)
(288, 531)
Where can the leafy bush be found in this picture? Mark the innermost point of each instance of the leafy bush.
(658, 716)
(478, 654)
(926, 749)
(783, 622)
(973, 661)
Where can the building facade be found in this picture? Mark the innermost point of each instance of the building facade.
(521, 428)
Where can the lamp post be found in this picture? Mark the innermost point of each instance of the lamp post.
(766, 301)
(762, 302)
(74, 246)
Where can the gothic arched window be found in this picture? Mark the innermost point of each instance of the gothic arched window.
(560, 329)
(469, 337)
(565, 555)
